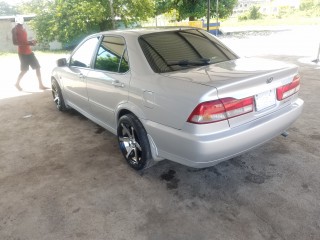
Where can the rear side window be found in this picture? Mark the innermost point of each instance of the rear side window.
(176, 50)
(112, 55)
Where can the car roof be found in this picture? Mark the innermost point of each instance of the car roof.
(143, 31)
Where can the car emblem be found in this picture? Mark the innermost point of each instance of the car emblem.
(269, 80)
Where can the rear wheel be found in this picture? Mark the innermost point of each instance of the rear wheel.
(57, 96)
(133, 142)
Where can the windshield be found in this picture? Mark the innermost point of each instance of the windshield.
(181, 49)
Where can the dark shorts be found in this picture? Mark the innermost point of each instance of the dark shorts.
(28, 60)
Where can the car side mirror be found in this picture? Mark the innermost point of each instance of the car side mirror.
(62, 62)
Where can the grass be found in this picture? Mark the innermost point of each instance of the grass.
(272, 21)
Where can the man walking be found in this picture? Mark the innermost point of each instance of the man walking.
(26, 56)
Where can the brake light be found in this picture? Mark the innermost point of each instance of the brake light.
(289, 89)
(221, 109)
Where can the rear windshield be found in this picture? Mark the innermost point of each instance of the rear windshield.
(181, 49)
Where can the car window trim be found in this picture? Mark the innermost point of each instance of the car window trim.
(102, 36)
(219, 46)
(79, 46)
(122, 57)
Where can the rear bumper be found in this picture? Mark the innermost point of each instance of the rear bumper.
(209, 149)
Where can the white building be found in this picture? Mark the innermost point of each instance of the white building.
(266, 6)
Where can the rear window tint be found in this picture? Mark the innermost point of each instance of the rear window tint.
(176, 50)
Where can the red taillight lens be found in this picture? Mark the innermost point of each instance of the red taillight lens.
(289, 89)
(222, 109)
(235, 107)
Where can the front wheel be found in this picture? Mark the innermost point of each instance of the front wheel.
(57, 96)
(133, 142)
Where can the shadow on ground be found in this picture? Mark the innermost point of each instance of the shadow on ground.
(63, 177)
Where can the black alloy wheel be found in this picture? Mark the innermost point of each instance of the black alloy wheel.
(133, 142)
(57, 96)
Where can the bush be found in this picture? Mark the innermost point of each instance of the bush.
(252, 14)
(306, 5)
(243, 17)
(285, 11)
(310, 8)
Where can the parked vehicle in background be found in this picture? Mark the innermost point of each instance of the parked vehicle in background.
(177, 94)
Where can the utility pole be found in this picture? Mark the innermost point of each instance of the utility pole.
(208, 16)
(112, 14)
(217, 12)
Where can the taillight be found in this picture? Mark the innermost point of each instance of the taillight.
(221, 109)
(289, 89)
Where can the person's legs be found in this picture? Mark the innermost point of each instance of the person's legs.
(24, 66)
(41, 86)
(22, 73)
(33, 61)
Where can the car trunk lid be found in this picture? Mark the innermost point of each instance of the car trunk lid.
(243, 78)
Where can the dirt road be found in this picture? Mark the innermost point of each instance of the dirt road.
(63, 177)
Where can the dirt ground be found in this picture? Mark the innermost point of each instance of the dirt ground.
(63, 177)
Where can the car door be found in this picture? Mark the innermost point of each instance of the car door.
(108, 81)
(74, 78)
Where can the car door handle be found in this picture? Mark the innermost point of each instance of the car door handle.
(81, 75)
(118, 84)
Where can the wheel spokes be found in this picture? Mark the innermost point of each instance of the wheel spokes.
(129, 151)
(124, 139)
(56, 99)
(125, 130)
(138, 146)
(130, 145)
(55, 94)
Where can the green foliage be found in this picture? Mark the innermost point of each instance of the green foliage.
(194, 9)
(285, 11)
(7, 10)
(133, 11)
(252, 14)
(111, 64)
(307, 5)
(310, 8)
(66, 21)
(243, 17)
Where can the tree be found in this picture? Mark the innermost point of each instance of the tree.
(254, 13)
(6, 9)
(133, 11)
(70, 20)
(194, 9)
(310, 7)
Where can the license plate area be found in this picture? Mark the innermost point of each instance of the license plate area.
(265, 100)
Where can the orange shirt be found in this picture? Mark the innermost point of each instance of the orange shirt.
(22, 40)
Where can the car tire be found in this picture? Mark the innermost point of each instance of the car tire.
(133, 142)
(57, 96)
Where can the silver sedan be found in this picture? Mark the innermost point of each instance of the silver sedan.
(177, 94)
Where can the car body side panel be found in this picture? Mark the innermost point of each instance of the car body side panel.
(73, 84)
(106, 91)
